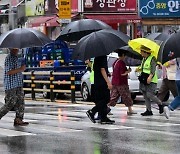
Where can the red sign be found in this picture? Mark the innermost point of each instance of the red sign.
(110, 6)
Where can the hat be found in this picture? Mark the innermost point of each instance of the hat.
(145, 49)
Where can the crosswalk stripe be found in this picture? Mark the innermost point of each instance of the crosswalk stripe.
(51, 129)
(33, 127)
(77, 120)
(8, 132)
(147, 123)
(158, 132)
(97, 125)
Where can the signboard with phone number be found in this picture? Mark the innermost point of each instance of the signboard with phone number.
(159, 8)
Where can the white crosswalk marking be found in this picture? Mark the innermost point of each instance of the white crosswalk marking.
(8, 132)
(69, 121)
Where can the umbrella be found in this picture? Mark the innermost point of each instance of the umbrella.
(158, 36)
(23, 38)
(130, 52)
(135, 44)
(75, 30)
(170, 48)
(99, 43)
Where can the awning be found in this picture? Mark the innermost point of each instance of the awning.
(40, 21)
(115, 18)
(52, 22)
(48, 21)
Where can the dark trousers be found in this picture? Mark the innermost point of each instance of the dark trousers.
(92, 93)
(102, 98)
(165, 87)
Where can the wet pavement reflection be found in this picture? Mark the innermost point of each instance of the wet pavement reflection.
(65, 129)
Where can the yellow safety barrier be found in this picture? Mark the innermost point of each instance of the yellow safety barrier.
(34, 82)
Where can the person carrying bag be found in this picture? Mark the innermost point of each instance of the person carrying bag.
(148, 81)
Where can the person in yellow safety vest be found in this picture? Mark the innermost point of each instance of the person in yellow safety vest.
(149, 84)
(90, 64)
(92, 73)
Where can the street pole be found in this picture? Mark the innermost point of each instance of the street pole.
(81, 8)
(12, 18)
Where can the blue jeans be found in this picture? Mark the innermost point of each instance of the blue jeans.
(176, 102)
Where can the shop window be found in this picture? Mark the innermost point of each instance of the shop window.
(146, 30)
(123, 28)
(159, 29)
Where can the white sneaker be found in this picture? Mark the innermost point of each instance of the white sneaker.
(166, 112)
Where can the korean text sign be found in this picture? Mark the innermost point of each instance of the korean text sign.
(159, 8)
(110, 5)
(64, 9)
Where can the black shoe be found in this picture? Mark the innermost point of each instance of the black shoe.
(107, 121)
(161, 109)
(90, 116)
(147, 113)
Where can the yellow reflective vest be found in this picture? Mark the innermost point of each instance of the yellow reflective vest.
(92, 73)
(147, 69)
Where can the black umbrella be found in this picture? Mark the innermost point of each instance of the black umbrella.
(170, 48)
(99, 43)
(158, 36)
(130, 52)
(23, 38)
(75, 30)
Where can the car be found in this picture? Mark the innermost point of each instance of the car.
(5, 9)
(132, 78)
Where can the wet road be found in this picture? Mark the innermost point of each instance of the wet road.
(60, 128)
(65, 129)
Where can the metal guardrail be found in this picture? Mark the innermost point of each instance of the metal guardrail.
(51, 83)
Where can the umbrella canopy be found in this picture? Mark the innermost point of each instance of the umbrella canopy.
(75, 30)
(23, 38)
(170, 48)
(99, 43)
(130, 52)
(135, 44)
(158, 36)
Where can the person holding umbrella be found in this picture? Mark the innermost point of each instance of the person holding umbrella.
(148, 80)
(99, 44)
(176, 102)
(102, 87)
(13, 83)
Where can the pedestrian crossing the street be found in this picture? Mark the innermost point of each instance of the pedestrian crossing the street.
(67, 118)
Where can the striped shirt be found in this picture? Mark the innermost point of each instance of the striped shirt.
(15, 80)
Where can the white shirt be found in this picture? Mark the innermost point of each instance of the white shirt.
(178, 69)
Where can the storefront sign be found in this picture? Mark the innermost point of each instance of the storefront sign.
(110, 6)
(159, 8)
(64, 9)
(34, 7)
(133, 21)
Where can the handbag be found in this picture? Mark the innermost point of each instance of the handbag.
(143, 78)
(171, 72)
